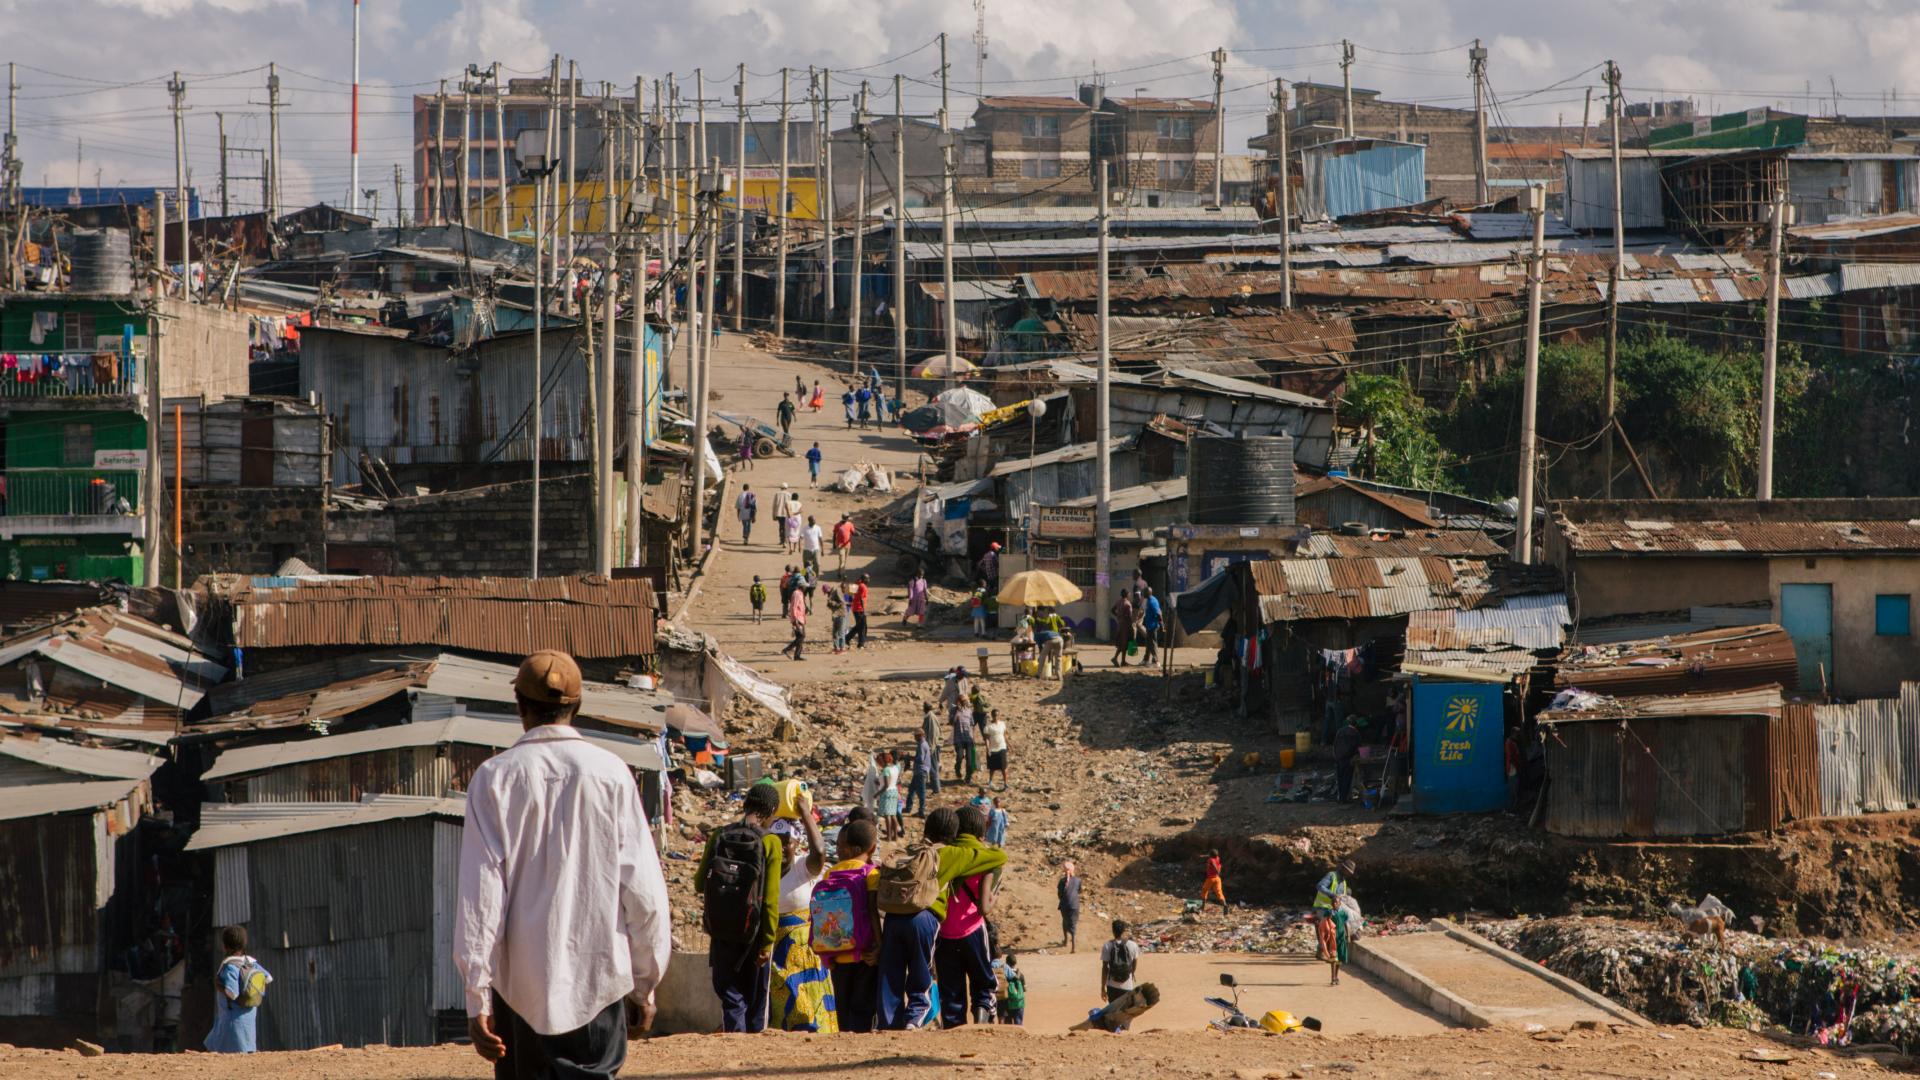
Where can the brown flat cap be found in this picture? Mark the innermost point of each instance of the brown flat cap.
(549, 676)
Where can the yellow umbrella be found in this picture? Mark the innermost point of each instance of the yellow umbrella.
(938, 368)
(1037, 588)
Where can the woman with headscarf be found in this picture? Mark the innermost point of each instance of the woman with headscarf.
(802, 990)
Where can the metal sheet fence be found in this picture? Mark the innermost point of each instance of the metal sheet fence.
(1870, 754)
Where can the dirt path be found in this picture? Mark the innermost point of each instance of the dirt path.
(1026, 1055)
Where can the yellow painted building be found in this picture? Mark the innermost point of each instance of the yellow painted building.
(591, 203)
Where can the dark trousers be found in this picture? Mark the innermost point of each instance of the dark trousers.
(917, 789)
(597, 1049)
(798, 645)
(856, 988)
(906, 971)
(860, 627)
(740, 980)
(963, 762)
(1342, 780)
(966, 976)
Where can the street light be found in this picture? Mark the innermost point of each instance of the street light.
(1036, 409)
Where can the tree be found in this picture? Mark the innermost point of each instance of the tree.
(1400, 447)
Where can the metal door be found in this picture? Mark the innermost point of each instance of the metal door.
(1806, 612)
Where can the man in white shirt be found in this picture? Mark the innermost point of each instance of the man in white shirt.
(562, 916)
(810, 540)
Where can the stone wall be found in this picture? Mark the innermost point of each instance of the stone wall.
(478, 532)
(246, 530)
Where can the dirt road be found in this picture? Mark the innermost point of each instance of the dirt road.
(1026, 1055)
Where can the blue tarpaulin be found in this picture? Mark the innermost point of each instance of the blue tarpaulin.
(1459, 747)
(1354, 176)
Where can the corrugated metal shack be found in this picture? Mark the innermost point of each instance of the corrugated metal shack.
(1733, 658)
(350, 906)
(1352, 176)
(109, 669)
(1510, 639)
(244, 441)
(1674, 766)
(1870, 754)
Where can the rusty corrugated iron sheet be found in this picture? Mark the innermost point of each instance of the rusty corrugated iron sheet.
(1293, 590)
(591, 617)
(1718, 526)
(1735, 658)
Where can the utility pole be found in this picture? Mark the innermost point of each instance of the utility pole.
(1219, 120)
(1102, 454)
(273, 140)
(1286, 197)
(500, 143)
(573, 161)
(399, 205)
(353, 181)
(439, 214)
(1614, 274)
(780, 224)
(603, 513)
(552, 177)
(539, 329)
(669, 107)
(696, 240)
(823, 185)
(738, 299)
(855, 295)
(178, 90)
(1529, 405)
(706, 237)
(1775, 259)
(637, 388)
(220, 120)
(946, 222)
(1346, 79)
(151, 502)
(900, 234)
(1477, 68)
(10, 159)
(465, 170)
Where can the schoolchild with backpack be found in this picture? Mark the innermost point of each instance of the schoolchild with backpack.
(912, 903)
(739, 879)
(846, 926)
(963, 955)
(241, 986)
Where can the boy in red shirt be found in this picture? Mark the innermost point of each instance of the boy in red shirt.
(1212, 888)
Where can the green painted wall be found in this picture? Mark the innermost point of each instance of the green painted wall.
(108, 317)
(72, 558)
(38, 440)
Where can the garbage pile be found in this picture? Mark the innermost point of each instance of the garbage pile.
(1833, 994)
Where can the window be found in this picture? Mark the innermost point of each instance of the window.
(1040, 168)
(974, 154)
(73, 332)
(1175, 127)
(1893, 615)
(1040, 127)
(753, 144)
(78, 445)
(1175, 169)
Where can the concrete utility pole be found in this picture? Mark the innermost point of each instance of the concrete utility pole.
(573, 162)
(1529, 405)
(637, 388)
(946, 223)
(709, 190)
(1103, 439)
(855, 294)
(1346, 79)
(539, 328)
(438, 216)
(1477, 68)
(465, 170)
(603, 515)
(150, 504)
(500, 144)
(900, 235)
(1284, 205)
(552, 177)
(10, 159)
(1782, 217)
(220, 123)
(1219, 120)
(823, 185)
(1615, 272)
(178, 90)
(737, 302)
(273, 141)
(399, 197)
(669, 108)
(780, 224)
(696, 238)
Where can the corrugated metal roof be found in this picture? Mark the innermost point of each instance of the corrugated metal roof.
(1734, 658)
(39, 799)
(1754, 701)
(498, 732)
(1360, 588)
(80, 760)
(124, 651)
(588, 617)
(1708, 526)
(1856, 228)
(1132, 498)
(222, 825)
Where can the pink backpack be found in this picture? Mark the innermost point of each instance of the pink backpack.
(840, 915)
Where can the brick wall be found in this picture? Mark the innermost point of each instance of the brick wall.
(481, 531)
(243, 530)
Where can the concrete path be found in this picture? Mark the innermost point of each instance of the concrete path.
(1502, 993)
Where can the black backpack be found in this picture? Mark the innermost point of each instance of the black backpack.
(736, 884)
(1119, 962)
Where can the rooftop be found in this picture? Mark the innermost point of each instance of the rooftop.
(1722, 526)
(1301, 589)
(496, 731)
(224, 825)
(1024, 102)
(1731, 658)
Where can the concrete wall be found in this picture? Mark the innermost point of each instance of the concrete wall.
(483, 531)
(1620, 586)
(685, 999)
(248, 530)
(1865, 664)
(204, 351)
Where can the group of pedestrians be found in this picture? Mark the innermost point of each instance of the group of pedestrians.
(847, 606)
(1138, 618)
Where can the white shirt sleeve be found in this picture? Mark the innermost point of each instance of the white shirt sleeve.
(643, 897)
(481, 910)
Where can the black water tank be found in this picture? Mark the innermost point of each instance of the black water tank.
(1245, 481)
(102, 261)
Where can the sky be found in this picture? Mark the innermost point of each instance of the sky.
(92, 98)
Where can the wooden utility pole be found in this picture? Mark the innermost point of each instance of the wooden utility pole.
(638, 389)
(1768, 376)
(573, 163)
(855, 294)
(948, 315)
(539, 331)
(824, 186)
(178, 90)
(900, 236)
(273, 140)
(780, 224)
(220, 123)
(1284, 204)
(1614, 275)
(1346, 80)
(151, 503)
(737, 302)
(1529, 405)
(399, 198)
(500, 146)
(603, 515)
(1103, 439)
(1477, 67)
(439, 215)
(669, 109)
(465, 170)
(1219, 120)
